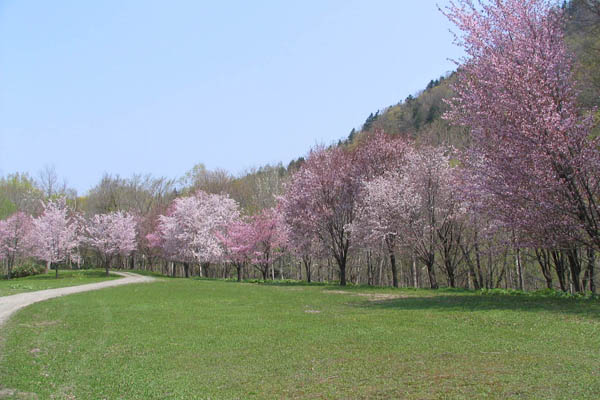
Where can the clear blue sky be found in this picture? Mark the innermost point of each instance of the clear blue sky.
(155, 87)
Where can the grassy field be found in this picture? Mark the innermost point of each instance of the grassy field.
(49, 281)
(193, 339)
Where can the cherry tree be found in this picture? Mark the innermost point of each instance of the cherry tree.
(415, 207)
(14, 238)
(321, 198)
(378, 154)
(188, 232)
(532, 154)
(387, 206)
(306, 247)
(238, 242)
(55, 234)
(436, 226)
(270, 238)
(319, 201)
(112, 235)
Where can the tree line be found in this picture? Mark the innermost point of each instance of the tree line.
(513, 204)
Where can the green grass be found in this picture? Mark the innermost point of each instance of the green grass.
(49, 280)
(198, 339)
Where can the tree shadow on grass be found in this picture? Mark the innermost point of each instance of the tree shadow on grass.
(275, 283)
(475, 303)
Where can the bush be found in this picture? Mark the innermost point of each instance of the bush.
(551, 293)
(27, 268)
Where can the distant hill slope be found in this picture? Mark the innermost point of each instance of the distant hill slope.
(420, 117)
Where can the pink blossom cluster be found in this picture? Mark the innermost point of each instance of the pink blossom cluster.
(189, 231)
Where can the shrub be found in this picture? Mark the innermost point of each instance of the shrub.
(27, 268)
(548, 293)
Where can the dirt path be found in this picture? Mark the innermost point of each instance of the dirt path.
(11, 304)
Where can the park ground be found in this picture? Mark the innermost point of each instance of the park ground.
(50, 281)
(203, 339)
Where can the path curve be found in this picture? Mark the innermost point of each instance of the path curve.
(11, 304)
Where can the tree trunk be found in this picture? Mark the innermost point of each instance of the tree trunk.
(204, 269)
(575, 267)
(9, 265)
(478, 262)
(543, 258)
(238, 267)
(591, 268)
(56, 269)
(370, 268)
(432, 280)
(415, 271)
(394, 269)
(472, 273)
(380, 277)
(265, 272)
(186, 269)
(450, 273)
(343, 276)
(519, 266)
(559, 266)
(307, 266)
(174, 271)
(107, 265)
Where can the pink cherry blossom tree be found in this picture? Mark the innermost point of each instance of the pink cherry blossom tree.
(532, 154)
(239, 244)
(306, 247)
(415, 208)
(319, 201)
(188, 232)
(54, 234)
(386, 208)
(435, 226)
(269, 237)
(14, 238)
(378, 154)
(112, 235)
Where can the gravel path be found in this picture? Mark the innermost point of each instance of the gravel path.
(10, 304)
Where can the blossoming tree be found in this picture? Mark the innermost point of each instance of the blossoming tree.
(188, 232)
(55, 234)
(14, 238)
(112, 235)
(532, 154)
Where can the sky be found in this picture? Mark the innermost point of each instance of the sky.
(132, 86)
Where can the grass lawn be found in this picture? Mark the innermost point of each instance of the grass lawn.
(198, 339)
(49, 281)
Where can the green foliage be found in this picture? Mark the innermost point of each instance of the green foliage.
(7, 207)
(27, 268)
(190, 339)
(542, 293)
(369, 122)
(420, 117)
(583, 38)
(18, 192)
